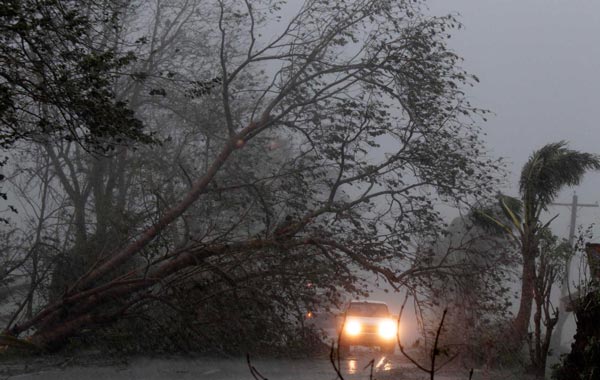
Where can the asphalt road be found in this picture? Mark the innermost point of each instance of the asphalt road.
(356, 366)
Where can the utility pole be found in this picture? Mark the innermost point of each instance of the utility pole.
(564, 290)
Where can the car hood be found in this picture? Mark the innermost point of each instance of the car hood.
(367, 320)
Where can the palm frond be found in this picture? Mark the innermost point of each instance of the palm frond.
(494, 225)
(551, 168)
(504, 217)
(547, 224)
(512, 208)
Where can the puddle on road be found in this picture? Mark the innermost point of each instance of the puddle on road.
(382, 365)
(352, 367)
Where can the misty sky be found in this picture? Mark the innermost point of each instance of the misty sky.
(539, 65)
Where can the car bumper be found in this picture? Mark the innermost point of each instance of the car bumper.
(369, 340)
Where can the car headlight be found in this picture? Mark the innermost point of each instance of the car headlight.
(387, 329)
(352, 327)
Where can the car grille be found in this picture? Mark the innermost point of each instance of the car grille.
(369, 329)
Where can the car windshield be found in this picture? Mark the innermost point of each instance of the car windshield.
(368, 310)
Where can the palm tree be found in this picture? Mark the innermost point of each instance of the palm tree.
(547, 171)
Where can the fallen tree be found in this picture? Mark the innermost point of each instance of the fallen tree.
(369, 99)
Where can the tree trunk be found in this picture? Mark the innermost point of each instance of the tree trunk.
(521, 321)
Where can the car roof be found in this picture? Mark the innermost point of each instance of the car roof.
(375, 302)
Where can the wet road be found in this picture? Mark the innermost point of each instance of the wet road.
(356, 366)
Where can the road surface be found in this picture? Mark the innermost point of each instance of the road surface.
(216, 369)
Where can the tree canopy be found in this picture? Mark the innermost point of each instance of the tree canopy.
(297, 149)
(58, 71)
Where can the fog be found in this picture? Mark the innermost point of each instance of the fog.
(537, 64)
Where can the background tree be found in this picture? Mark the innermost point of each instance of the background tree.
(582, 361)
(477, 266)
(553, 255)
(547, 171)
(58, 74)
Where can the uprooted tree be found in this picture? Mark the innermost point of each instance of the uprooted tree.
(296, 150)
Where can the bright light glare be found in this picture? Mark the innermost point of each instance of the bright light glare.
(387, 329)
(353, 327)
(351, 367)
